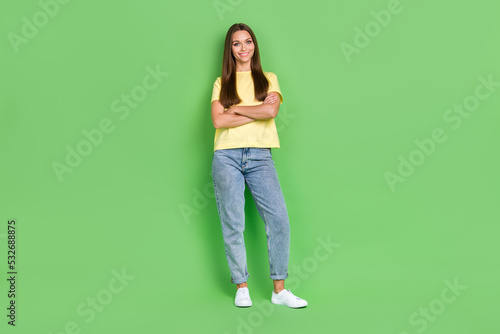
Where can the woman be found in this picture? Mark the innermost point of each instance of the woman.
(245, 101)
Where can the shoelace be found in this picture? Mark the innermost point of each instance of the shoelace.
(292, 295)
(244, 294)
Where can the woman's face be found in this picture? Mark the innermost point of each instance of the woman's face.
(242, 46)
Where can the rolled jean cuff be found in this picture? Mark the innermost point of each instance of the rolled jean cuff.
(279, 277)
(240, 280)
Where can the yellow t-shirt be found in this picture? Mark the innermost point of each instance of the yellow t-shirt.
(259, 133)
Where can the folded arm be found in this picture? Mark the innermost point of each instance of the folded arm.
(268, 109)
(225, 118)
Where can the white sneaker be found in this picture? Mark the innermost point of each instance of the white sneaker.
(286, 297)
(242, 298)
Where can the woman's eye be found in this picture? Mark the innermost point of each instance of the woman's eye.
(248, 42)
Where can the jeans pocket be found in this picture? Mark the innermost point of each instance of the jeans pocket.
(267, 151)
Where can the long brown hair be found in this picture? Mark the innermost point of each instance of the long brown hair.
(228, 93)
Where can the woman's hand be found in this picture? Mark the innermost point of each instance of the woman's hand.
(270, 99)
(229, 111)
(227, 118)
(257, 111)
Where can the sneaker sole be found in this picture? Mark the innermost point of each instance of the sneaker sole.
(242, 305)
(275, 303)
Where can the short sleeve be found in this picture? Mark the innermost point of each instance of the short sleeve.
(274, 85)
(216, 90)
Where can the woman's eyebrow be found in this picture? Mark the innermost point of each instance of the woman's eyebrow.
(238, 40)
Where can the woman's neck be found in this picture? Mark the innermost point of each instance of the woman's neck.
(243, 68)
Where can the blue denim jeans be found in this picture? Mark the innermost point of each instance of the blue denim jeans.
(231, 170)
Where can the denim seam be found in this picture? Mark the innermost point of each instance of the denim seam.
(216, 192)
(266, 227)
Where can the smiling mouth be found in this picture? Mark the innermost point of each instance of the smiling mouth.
(244, 54)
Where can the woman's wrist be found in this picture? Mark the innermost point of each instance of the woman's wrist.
(233, 110)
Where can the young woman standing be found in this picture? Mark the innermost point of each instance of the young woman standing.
(245, 101)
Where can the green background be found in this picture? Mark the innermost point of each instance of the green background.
(142, 201)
